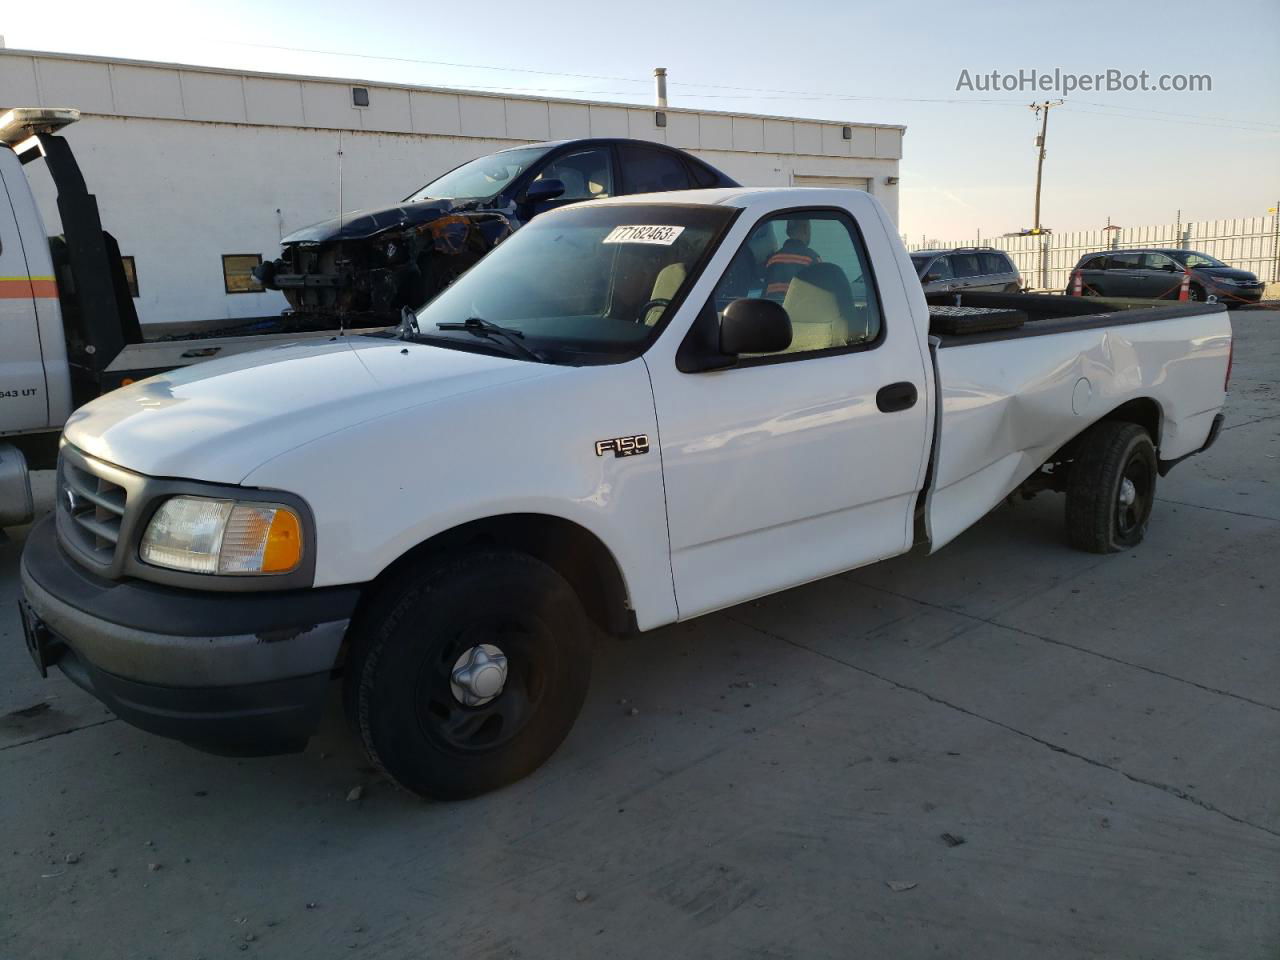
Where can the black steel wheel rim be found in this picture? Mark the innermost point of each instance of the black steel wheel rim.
(1131, 516)
(470, 730)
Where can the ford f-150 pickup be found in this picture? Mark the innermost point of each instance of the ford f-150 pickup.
(633, 412)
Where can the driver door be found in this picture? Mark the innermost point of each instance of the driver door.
(1159, 277)
(799, 464)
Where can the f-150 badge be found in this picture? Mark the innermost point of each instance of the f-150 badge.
(623, 446)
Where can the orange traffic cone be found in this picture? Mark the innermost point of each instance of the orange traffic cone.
(1077, 284)
(1185, 290)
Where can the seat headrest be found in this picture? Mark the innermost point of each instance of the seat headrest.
(665, 285)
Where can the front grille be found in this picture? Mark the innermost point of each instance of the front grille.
(91, 508)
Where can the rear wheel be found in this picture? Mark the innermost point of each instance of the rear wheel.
(1195, 293)
(467, 675)
(1111, 487)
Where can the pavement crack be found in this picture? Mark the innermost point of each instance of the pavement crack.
(60, 733)
(1072, 646)
(1247, 423)
(1234, 513)
(1055, 747)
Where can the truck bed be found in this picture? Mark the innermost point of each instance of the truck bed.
(1045, 314)
(1009, 400)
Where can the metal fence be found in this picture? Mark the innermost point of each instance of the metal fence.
(1045, 261)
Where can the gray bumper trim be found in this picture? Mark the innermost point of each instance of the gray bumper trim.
(188, 661)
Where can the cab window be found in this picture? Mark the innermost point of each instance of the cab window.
(814, 264)
(995, 263)
(966, 265)
(586, 174)
(940, 269)
(649, 170)
(1158, 261)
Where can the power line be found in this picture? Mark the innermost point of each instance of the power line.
(750, 93)
(1194, 123)
(1172, 113)
(433, 63)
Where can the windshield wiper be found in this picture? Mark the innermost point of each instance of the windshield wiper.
(483, 328)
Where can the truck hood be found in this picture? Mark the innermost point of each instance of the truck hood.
(218, 421)
(362, 224)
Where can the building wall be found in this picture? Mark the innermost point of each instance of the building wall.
(192, 163)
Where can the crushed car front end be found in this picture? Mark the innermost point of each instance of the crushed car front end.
(369, 266)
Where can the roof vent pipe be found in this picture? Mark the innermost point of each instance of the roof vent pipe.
(660, 82)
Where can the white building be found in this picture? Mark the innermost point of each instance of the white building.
(193, 164)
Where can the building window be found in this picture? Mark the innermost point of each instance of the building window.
(130, 275)
(237, 272)
(359, 96)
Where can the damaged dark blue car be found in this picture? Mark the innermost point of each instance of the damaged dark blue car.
(367, 265)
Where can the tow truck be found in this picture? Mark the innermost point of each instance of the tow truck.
(68, 328)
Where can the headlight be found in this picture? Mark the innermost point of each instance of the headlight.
(202, 535)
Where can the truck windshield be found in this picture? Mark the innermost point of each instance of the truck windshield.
(481, 178)
(588, 284)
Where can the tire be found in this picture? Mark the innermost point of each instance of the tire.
(1099, 519)
(400, 691)
(1195, 293)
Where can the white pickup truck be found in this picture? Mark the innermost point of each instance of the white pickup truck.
(633, 412)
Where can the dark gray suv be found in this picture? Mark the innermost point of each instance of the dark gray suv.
(966, 268)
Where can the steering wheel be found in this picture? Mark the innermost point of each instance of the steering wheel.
(648, 305)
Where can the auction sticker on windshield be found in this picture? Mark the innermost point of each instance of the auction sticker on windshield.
(639, 233)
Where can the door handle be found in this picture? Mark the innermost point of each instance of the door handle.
(896, 396)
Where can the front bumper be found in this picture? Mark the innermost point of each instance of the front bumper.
(1231, 294)
(230, 673)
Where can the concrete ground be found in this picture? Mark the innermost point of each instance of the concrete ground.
(1007, 750)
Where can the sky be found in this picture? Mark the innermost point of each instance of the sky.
(969, 161)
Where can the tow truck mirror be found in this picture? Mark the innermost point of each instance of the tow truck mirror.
(540, 191)
(754, 326)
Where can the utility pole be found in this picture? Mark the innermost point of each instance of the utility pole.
(1044, 130)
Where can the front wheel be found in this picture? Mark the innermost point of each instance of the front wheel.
(466, 675)
(1111, 487)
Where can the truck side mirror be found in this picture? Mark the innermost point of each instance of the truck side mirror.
(931, 278)
(754, 326)
(540, 191)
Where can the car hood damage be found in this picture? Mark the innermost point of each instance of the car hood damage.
(363, 224)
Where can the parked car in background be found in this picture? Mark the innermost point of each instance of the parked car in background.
(1157, 274)
(367, 265)
(974, 269)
